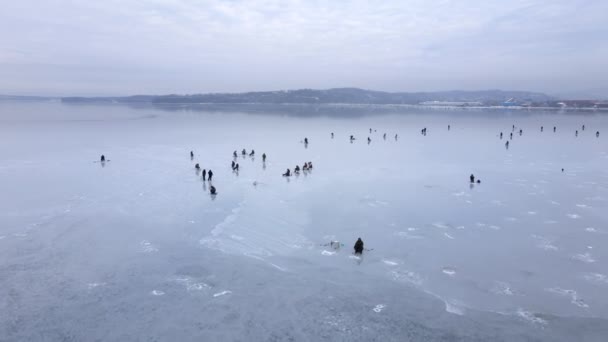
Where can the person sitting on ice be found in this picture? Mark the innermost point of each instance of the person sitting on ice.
(103, 158)
(287, 173)
(309, 165)
(305, 167)
(359, 246)
(236, 167)
(252, 153)
(198, 167)
(212, 190)
(297, 169)
(306, 141)
(244, 152)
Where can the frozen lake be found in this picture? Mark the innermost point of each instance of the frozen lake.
(137, 249)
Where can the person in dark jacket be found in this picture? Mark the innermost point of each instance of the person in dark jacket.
(210, 174)
(103, 158)
(244, 152)
(232, 165)
(191, 154)
(263, 157)
(287, 173)
(252, 153)
(234, 154)
(597, 134)
(359, 246)
(306, 141)
(212, 190)
(472, 177)
(198, 167)
(204, 175)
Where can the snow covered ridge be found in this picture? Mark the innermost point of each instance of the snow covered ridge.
(337, 96)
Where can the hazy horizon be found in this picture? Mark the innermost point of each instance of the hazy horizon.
(111, 48)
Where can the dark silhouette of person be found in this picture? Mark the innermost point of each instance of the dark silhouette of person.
(513, 127)
(332, 135)
(511, 135)
(352, 137)
(210, 174)
(576, 133)
(103, 158)
(500, 135)
(234, 154)
(369, 140)
(232, 165)
(306, 141)
(244, 152)
(583, 127)
(554, 128)
(204, 175)
(297, 169)
(370, 130)
(287, 173)
(541, 128)
(212, 190)
(359, 246)
(252, 153)
(520, 132)
(236, 167)
(198, 167)
(449, 127)
(562, 169)
(384, 136)
(264, 157)
(396, 136)
(310, 165)
(597, 134)
(472, 177)
(191, 154)
(507, 144)
(305, 167)
(478, 181)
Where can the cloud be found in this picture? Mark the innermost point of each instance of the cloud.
(151, 46)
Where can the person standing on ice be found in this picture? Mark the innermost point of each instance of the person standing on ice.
(263, 157)
(204, 175)
(472, 177)
(234, 154)
(359, 246)
(191, 154)
(212, 190)
(210, 174)
(103, 158)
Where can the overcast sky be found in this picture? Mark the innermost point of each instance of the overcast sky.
(123, 47)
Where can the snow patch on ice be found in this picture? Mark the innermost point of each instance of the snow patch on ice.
(223, 293)
(584, 257)
(379, 308)
(531, 317)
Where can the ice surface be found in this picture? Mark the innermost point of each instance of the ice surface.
(137, 249)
